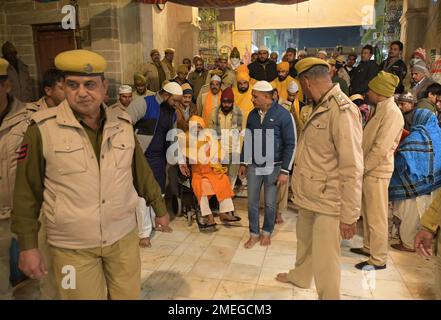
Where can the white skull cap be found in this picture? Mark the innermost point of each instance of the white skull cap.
(125, 89)
(293, 87)
(263, 86)
(173, 88)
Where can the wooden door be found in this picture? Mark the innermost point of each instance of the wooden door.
(49, 41)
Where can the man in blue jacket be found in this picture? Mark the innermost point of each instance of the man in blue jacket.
(267, 158)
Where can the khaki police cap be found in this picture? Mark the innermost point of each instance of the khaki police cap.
(332, 62)
(4, 64)
(340, 59)
(81, 62)
(307, 63)
(223, 56)
(154, 51)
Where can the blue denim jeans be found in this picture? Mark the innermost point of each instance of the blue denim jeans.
(256, 177)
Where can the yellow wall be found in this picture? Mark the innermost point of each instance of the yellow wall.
(309, 14)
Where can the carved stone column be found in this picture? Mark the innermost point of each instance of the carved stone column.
(413, 25)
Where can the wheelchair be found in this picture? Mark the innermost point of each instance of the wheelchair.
(186, 204)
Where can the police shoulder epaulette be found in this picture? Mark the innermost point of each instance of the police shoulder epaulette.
(116, 105)
(33, 107)
(42, 115)
(342, 101)
(120, 114)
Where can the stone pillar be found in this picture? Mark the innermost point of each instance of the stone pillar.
(104, 35)
(2, 23)
(130, 39)
(413, 25)
(433, 29)
(173, 27)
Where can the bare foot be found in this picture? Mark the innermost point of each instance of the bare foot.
(166, 229)
(145, 243)
(251, 242)
(279, 219)
(282, 277)
(265, 241)
(210, 219)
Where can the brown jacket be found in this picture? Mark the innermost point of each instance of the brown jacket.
(197, 81)
(381, 136)
(151, 74)
(181, 123)
(21, 82)
(12, 130)
(81, 198)
(328, 167)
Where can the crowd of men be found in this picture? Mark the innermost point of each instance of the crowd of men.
(82, 183)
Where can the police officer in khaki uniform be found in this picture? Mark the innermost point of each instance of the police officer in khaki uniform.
(381, 137)
(14, 119)
(82, 167)
(328, 174)
(169, 55)
(154, 74)
(431, 222)
(53, 87)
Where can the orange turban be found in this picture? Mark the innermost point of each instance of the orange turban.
(243, 76)
(283, 66)
(198, 120)
(242, 68)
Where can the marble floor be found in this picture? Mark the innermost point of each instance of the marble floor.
(187, 264)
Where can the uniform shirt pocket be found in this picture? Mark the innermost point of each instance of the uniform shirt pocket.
(313, 184)
(123, 150)
(319, 124)
(71, 158)
(316, 132)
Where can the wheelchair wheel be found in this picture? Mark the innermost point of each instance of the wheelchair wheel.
(189, 218)
(177, 206)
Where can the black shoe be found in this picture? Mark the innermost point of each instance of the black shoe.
(368, 267)
(209, 229)
(401, 247)
(359, 251)
(207, 225)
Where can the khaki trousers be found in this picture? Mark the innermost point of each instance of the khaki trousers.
(318, 254)
(5, 245)
(48, 285)
(233, 170)
(410, 211)
(111, 272)
(374, 210)
(438, 269)
(282, 198)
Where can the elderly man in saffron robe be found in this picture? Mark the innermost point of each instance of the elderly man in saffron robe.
(209, 177)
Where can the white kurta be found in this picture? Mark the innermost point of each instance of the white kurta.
(410, 212)
(145, 216)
